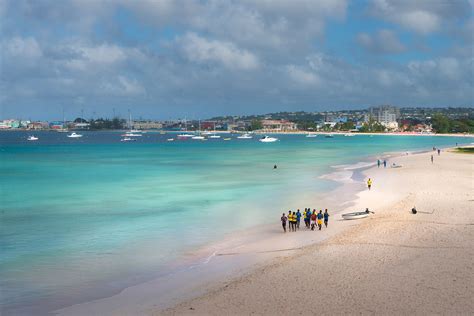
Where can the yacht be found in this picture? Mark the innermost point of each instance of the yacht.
(32, 138)
(186, 135)
(128, 139)
(312, 135)
(74, 135)
(170, 140)
(214, 136)
(199, 136)
(267, 139)
(131, 134)
(245, 136)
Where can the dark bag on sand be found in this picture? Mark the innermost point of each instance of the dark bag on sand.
(413, 210)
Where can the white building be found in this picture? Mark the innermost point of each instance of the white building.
(385, 114)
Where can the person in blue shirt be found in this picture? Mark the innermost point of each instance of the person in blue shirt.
(298, 218)
(320, 219)
(308, 217)
(326, 217)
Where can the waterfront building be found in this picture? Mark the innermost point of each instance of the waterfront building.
(278, 125)
(386, 115)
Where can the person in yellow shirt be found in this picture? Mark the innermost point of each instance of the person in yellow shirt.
(369, 183)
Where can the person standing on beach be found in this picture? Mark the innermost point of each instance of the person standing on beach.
(320, 219)
(298, 219)
(439, 151)
(304, 216)
(326, 217)
(378, 163)
(369, 183)
(283, 222)
(431, 158)
(385, 163)
(313, 219)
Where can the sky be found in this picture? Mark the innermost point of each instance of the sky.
(165, 59)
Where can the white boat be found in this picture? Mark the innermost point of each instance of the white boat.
(130, 134)
(267, 139)
(355, 215)
(170, 140)
(226, 139)
(74, 135)
(199, 136)
(128, 139)
(245, 136)
(349, 135)
(312, 135)
(215, 136)
(32, 138)
(136, 131)
(186, 135)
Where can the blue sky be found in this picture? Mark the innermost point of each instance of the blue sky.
(196, 58)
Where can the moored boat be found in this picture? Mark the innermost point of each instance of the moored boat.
(267, 139)
(74, 135)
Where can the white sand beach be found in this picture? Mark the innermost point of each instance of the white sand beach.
(393, 262)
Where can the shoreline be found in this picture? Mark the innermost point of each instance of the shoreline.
(203, 267)
(260, 132)
(427, 248)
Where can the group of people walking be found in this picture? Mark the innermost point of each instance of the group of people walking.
(311, 219)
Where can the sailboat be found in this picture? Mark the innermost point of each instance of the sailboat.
(214, 135)
(199, 136)
(131, 132)
(185, 135)
(32, 138)
(64, 128)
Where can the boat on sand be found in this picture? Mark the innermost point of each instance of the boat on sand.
(355, 215)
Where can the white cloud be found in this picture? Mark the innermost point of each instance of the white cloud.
(423, 17)
(19, 47)
(383, 41)
(302, 76)
(201, 50)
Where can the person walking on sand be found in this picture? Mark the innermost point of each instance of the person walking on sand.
(320, 219)
(290, 221)
(431, 158)
(293, 217)
(439, 151)
(369, 183)
(385, 163)
(326, 217)
(298, 219)
(378, 163)
(308, 218)
(283, 222)
(313, 219)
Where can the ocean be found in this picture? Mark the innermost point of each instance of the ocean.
(84, 218)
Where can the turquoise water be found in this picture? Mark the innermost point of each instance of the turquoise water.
(81, 217)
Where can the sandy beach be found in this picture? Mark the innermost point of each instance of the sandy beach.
(393, 262)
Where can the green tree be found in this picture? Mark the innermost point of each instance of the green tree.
(255, 125)
(441, 123)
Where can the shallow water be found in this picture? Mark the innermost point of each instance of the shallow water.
(86, 216)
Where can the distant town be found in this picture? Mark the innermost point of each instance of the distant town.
(377, 119)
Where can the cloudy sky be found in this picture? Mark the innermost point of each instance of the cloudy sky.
(169, 59)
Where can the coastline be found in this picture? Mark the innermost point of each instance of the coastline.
(239, 253)
(392, 254)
